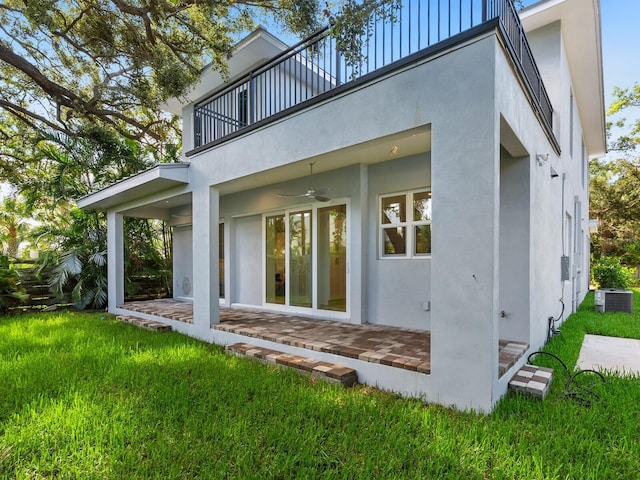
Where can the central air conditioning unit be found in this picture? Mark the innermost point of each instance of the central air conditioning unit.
(613, 300)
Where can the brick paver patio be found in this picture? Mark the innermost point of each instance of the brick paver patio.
(397, 347)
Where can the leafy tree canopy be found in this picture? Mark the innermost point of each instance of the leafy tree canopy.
(625, 100)
(64, 62)
(615, 182)
(113, 60)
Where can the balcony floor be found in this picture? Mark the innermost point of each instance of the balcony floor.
(397, 347)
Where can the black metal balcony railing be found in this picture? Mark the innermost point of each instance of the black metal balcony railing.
(315, 66)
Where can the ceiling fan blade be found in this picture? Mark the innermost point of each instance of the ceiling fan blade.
(319, 195)
(292, 194)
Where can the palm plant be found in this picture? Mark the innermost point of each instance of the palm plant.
(11, 294)
(79, 259)
(73, 242)
(13, 225)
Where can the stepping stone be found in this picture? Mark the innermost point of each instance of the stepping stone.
(532, 380)
(147, 324)
(321, 370)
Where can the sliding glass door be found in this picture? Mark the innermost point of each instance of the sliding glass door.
(306, 258)
(275, 265)
(332, 258)
(300, 266)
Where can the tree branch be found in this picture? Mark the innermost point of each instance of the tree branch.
(25, 115)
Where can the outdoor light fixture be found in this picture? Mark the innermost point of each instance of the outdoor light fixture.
(554, 174)
(541, 158)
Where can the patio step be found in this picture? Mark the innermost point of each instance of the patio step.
(321, 370)
(142, 323)
(532, 380)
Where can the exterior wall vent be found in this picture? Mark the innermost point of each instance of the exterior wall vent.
(612, 300)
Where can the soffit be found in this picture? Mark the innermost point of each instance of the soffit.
(581, 34)
(156, 179)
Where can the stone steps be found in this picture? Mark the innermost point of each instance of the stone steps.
(321, 370)
(147, 324)
(532, 380)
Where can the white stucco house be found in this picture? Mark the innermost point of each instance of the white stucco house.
(449, 189)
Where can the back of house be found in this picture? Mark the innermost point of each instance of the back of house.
(434, 183)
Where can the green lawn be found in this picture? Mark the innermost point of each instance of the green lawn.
(84, 396)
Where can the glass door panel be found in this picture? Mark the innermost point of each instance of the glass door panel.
(332, 258)
(275, 261)
(301, 271)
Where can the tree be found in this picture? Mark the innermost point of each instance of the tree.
(628, 141)
(615, 183)
(114, 62)
(615, 203)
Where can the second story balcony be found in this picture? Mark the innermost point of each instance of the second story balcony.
(315, 68)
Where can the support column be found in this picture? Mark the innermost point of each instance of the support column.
(115, 260)
(206, 296)
(229, 261)
(359, 249)
(464, 265)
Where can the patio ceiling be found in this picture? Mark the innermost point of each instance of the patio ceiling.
(396, 146)
(166, 194)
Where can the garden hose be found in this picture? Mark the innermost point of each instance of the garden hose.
(584, 395)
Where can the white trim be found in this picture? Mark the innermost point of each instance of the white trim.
(313, 311)
(156, 179)
(409, 224)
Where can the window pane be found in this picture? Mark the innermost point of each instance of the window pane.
(275, 266)
(300, 280)
(394, 209)
(332, 258)
(422, 206)
(395, 241)
(423, 239)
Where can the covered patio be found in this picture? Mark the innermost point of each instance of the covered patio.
(404, 348)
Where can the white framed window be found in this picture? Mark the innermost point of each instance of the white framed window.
(405, 224)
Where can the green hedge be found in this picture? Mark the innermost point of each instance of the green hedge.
(608, 272)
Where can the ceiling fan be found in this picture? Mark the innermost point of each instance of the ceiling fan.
(319, 195)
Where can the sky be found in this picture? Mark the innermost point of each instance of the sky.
(620, 44)
(620, 55)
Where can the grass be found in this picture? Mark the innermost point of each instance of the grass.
(83, 396)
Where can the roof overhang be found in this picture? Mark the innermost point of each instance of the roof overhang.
(582, 37)
(156, 179)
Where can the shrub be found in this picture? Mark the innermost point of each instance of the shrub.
(10, 292)
(608, 272)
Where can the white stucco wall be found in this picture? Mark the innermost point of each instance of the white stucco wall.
(182, 262)
(398, 287)
(246, 266)
(553, 199)
(515, 234)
